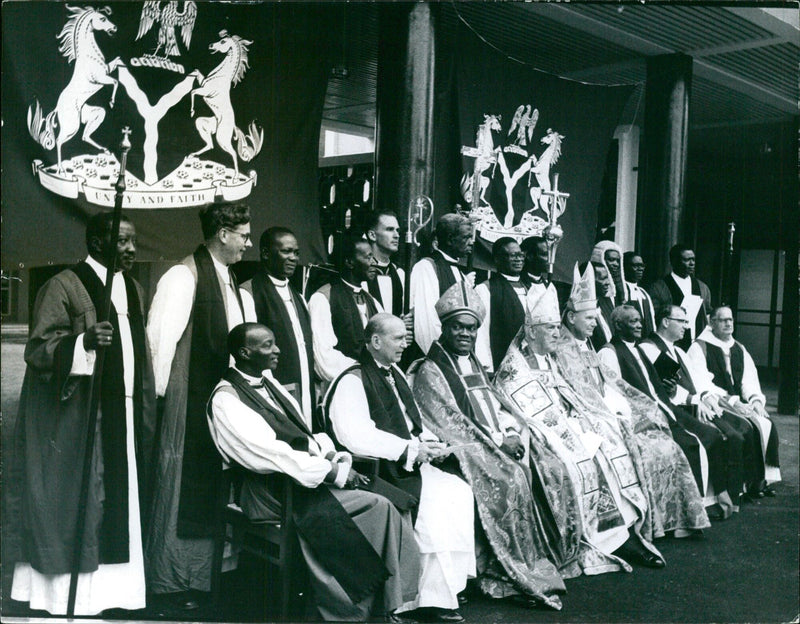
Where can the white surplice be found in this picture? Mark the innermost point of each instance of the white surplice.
(172, 307)
(328, 360)
(423, 297)
(111, 586)
(751, 389)
(444, 528)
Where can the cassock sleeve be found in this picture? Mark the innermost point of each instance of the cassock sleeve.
(328, 360)
(483, 343)
(702, 378)
(423, 297)
(751, 387)
(353, 426)
(659, 294)
(169, 316)
(248, 306)
(608, 357)
(243, 436)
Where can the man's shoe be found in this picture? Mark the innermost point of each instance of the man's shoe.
(768, 491)
(715, 513)
(526, 602)
(634, 553)
(445, 615)
(464, 599)
(400, 618)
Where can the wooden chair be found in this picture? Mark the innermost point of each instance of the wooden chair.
(272, 541)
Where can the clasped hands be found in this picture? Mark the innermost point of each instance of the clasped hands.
(430, 451)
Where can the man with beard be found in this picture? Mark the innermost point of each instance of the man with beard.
(196, 303)
(734, 371)
(372, 412)
(433, 275)
(681, 288)
(458, 404)
(503, 297)
(676, 504)
(281, 307)
(607, 475)
(355, 543)
(65, 341)
(340, 310)
(632, 273)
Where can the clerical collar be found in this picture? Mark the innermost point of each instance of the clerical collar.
(356, 289)
(280, 283)
(223, 269)
(670, 346)
(535, 279)
(511, 278)
(450, 259)
(99, 268)
(630, 345)
(254, 380)
(685, 281)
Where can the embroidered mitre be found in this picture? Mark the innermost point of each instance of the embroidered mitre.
(460, 298)
(583, 295)
(542, 306)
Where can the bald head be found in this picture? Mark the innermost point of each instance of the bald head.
(386, 338)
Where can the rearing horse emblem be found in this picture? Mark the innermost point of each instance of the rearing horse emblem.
(91, 73)
(215, 89)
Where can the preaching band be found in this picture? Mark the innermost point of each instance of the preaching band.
(516, 441)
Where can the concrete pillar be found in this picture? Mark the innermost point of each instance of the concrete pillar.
(627, 181)
(405, 105)
(662, 162)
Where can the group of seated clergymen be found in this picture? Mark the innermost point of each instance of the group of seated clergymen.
(519, 442)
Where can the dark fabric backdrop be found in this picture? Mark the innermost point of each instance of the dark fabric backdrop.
(490, 83)
(283, 92)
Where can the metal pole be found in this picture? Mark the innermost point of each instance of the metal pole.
(94, 381)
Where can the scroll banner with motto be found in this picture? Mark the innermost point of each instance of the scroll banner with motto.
(519, 128)
(224, 102)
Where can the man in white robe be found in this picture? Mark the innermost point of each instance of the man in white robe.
(195, 305)
(340, 310)
(733, 369)
(356, 544)
(372, 412)
(432, 276)
(61, 354)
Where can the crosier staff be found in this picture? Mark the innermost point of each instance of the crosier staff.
(94, 381)
(420, 213)
(553, 232)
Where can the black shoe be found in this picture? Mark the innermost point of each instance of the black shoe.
(526, 602)
(400, 618)
(462, 599)
(715, 513)
(768, 491)
(445, 615)
(634, 553)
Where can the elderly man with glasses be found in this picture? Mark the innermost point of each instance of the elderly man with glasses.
(693, 386)
(196, 303)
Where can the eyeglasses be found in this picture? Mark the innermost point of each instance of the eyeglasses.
(515, 256)
(245, 236)
(681, 321)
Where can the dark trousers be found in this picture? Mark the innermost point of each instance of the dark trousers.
(752, 457)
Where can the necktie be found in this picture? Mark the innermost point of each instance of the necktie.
(359, 298)
(387, 372)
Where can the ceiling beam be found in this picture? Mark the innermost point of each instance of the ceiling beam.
(574, 19)
(735, 47)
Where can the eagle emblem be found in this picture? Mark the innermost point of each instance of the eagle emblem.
(171, 18)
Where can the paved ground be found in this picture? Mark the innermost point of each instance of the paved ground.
(745, 570)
